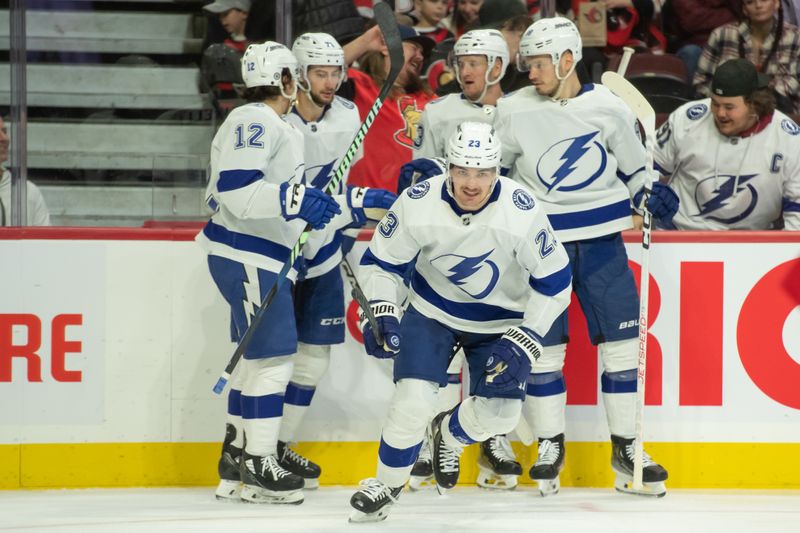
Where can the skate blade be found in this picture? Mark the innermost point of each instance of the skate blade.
(229, 490)
(624, 484)
(360, 517)
(548, 487)
(259, 495)
(489, 479)
(310, 483)
(416, 483)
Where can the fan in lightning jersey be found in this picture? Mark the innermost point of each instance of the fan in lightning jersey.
(733, 159)
(329, 124)
(577, 147)
(488, 274)
(480, 59)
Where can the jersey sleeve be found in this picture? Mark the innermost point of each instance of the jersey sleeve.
(665, 149)
(791, 195)
(626, 145)
(390, 254)
(425, 144)
(243, 157)
(510, 147)
(545, 259)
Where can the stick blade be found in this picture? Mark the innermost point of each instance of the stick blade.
(633, 98)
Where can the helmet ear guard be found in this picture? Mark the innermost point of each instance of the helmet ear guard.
(318, 49)
(263, 66)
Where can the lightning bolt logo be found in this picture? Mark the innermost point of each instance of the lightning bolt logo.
(462, 272)
(567, 161)
(723, 196)
(252, 293)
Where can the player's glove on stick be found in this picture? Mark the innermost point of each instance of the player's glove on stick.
(508, 367)
(419, 170)
(307, 203)
(663, 202)
(389, 325)
(368, 204)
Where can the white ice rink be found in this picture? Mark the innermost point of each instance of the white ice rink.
(463, 510)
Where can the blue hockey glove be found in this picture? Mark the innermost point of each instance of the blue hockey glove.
(419, 170)
(368, 204)
(307, 203)
(513, 354)
(662, 204)
(389, 325)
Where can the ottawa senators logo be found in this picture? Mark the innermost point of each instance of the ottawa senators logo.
(412, 116)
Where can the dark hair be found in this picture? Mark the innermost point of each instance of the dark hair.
(518, 23)
(778, 36)
(762, 101)
(266, 92)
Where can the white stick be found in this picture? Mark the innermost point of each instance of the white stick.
(647, 116)
(627, 52)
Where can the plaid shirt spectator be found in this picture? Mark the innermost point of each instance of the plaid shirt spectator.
(734, 40)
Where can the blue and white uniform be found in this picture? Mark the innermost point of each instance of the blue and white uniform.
(741, 182)
(476, 274)
(584, 160)
(441, 117)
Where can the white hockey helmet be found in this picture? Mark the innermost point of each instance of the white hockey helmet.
(550, 36)
(474, 145)
(318, 49)
(263, 64)
(489, 43)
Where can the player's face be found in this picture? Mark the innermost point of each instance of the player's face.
(323, 81)
(472, 186)
(469, 10)
(431, 11)
(233, 20)
(542, 74)
(760, 10)
(472, 71)
(732, 115)
(4, 140)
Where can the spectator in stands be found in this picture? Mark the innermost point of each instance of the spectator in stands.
(464, 17)
(431, 13)
(37, 213)
(388, 145)
(733, 160)
(763, 38)
(691, 21)
(232, 14)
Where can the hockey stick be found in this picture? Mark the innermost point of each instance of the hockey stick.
(361, 300)
(384, 15)
(647, 116)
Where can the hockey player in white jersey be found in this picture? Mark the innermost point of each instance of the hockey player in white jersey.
(733, 159)
(480, 59)
(256, 187)
(480, 278)
(328, 124)
(577, 147)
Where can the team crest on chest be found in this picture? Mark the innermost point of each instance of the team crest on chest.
(790, 126)
(697, 111)
(412, 116)
(725, 198)
(419, 190)
(572, 164)
(522, 200)
(476, 276)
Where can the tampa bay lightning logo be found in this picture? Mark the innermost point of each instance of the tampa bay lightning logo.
(476, 276)
(318, 176)
(697, 111)
(572, 164)
(522, 200)
(716, 200)
(419, 190)
(790, 126)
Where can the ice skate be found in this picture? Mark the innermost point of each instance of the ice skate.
(230, 479)
(446, 459)
(266, 481)
(422, 473)
(299, 465)
(373, 500)
(548, 466)
(653, 474)
(497, 466)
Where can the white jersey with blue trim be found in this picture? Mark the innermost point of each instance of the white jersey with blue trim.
(441, 117)
(741, 182)
(326, 141)
(481, 271)
(253, 152)
(582, 157)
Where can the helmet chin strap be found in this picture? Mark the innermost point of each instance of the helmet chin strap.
(486, 85)
(561, 80)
